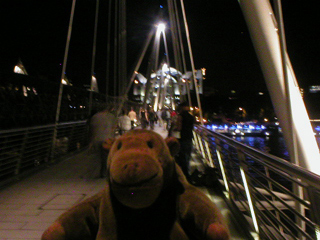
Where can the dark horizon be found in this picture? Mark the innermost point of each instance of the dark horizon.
(35, 32)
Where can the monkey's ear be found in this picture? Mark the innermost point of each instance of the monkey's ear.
(107, 144)
(173, 145)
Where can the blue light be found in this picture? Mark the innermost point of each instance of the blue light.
(161, 6)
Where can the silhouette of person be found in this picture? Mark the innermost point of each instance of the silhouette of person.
(185, 124)
(124, 123)
(144, 118)
(152, 118)
(102, 126)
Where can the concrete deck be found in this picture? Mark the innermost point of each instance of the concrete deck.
(29, 206)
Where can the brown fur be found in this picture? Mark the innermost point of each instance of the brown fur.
(146, 197)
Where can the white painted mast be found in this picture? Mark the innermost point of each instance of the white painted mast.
(282, 85)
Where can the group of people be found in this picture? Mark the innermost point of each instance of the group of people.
(103, 125)
(148, 117)
(126, 121)
(165, 118)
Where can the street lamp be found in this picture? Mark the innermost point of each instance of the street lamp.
(161, 27)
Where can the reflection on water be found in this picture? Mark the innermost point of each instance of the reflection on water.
(274, 145)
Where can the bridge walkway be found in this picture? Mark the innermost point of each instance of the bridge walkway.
(30, 205)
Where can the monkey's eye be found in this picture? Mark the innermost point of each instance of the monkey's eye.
(119, 145)
(150, 144)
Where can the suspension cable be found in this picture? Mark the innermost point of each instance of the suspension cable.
(134, 72)
(65, 62)
(115, 59)
(108, 49)
(93, 54)
(177, 43)
(182, 50)
(191, 59)
(168, 61)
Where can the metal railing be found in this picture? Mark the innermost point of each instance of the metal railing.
(25, 150)
(279, 200)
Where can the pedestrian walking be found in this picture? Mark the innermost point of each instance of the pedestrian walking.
(102, 125)
(124, 123)
(133, 117)
(152, 116)
(143, 118)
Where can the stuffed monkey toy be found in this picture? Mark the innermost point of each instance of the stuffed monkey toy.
(146, 197)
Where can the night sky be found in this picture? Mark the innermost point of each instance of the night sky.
(35, 31)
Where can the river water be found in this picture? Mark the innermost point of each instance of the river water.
(274, 145)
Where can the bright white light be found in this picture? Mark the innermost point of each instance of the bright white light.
(94, 84)
(246, 187)
(165, 68)
(17, 69)
(317, 232)
(64, 82)
(161, 27)
(25, 92)
(225, 180)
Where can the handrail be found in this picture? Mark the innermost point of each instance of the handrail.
(263, 187)
(273, 160)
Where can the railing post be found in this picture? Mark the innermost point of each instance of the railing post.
(201, 150)
(211, 164)
(23, 146)
(54, 140)
(314, 197)
(196, 140)
(273, 198)
(298, 191)
(243, 171)
(222, 168)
